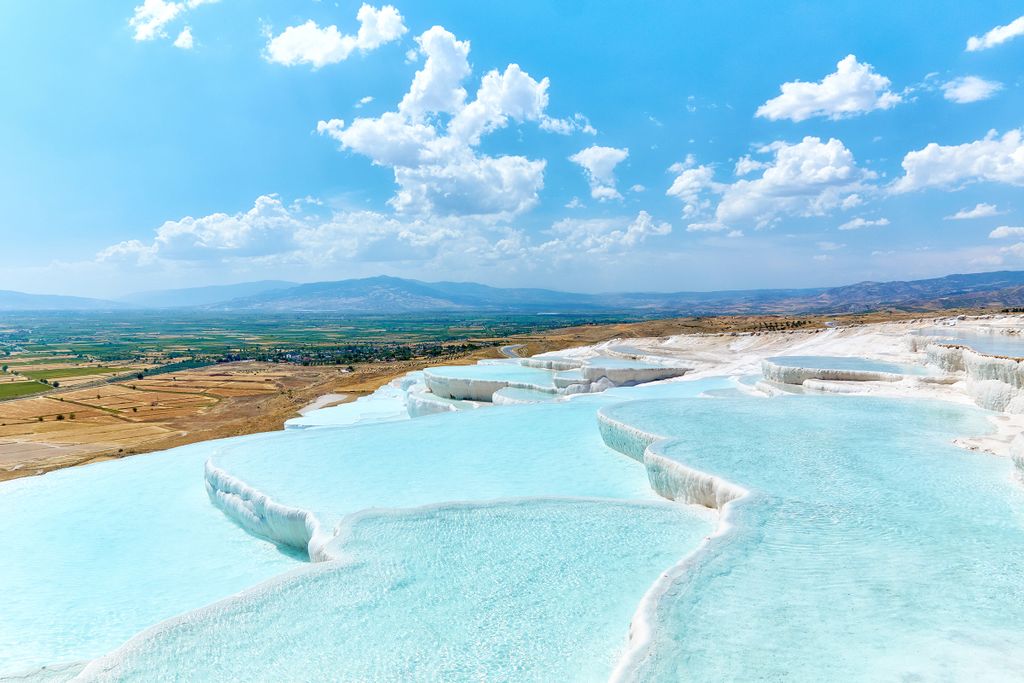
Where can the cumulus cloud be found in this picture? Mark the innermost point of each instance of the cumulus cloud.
(997, 36)
(602, 235)
(970, 89)
(858, 223)
(853, 89)
(979, 211)
(807, 178)
(275, 233)
(995, 158)
(567, 126)
(184, 39)
(746, 165)
(310, 44)
(268, 228)
(431, 140)
(599, 165)
(150, 19)
(689, 186)
(1004, 231)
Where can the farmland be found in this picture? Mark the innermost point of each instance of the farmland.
(81, 387)
(18, 389)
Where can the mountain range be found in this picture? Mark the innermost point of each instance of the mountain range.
(390, 295)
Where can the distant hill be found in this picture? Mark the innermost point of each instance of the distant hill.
(391, 295)
(20, 301)
(202, 296)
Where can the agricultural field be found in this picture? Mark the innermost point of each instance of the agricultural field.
(68, 372)
(68, 427)
(142, 396)
(19, 389)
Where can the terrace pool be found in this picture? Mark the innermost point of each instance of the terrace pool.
(993, 343)
(872, 549)
(93, 554)
(551, 449)
(523, 590)
(847, 363)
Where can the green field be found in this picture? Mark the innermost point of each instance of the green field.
(200, 338)
(16, 389)
(61, 373)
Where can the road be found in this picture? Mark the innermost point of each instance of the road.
(510, 351)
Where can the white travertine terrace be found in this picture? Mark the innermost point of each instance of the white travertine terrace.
(789, 374)
(961, 375)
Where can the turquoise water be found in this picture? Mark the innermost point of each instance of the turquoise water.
(551, 449)
(93, 554)
(869, 548)
(847, 363)
(495, 452)
(387, 404)
(527, 590)
(993, 344)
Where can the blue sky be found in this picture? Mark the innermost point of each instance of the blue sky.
(673, 146)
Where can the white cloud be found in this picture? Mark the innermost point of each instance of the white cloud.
(568, 126)
(970, 89)
(1015, 250)
(310, 44)
(745, 165)
(808, 178)
(431, 141)
(600, 235)
(638, 188)
(363, 101)
(853, 89)
(997, 36)
(150, 19)
(979, 211)
(301, 234)
(268, 228)
(992, 159)
(830, 246)
(689, 186)
(858, 223)
(184, 39)
(599, 164)
(1006, 231)
(437, 87)
(275, 232)
(331, 128)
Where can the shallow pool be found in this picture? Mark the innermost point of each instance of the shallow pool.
(93, 554)
(851, 363)
(868, 548)
(518, 590)
(993, 343)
